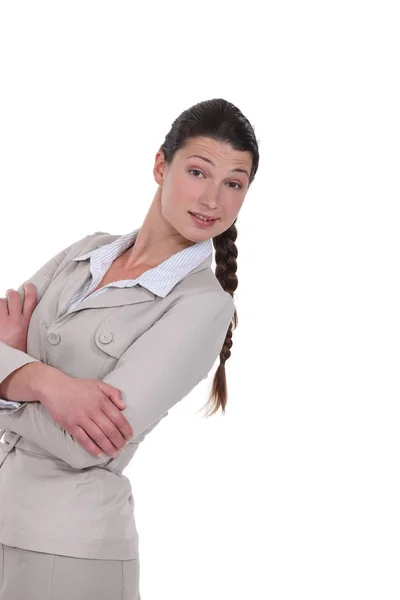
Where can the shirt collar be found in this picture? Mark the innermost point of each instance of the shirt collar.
(162, 278)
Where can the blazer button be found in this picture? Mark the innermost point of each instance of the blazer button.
(53, 338)
(105, 338)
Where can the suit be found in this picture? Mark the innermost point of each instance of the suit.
(56, 497)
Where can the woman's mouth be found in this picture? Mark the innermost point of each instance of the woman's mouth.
(202, 221)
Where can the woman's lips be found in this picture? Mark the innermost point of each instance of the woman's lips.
(201, 222)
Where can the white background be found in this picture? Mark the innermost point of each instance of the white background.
(294, 493)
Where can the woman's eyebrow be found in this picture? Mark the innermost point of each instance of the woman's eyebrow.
(211, 163)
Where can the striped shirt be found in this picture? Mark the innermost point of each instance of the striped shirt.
(160, 279)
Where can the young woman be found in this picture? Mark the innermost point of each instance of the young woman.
(114, 331)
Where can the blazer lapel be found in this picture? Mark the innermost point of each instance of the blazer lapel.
(76, 273)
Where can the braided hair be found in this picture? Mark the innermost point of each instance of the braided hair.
(222, 121)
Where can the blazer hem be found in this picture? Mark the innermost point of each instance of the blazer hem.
(96, 549)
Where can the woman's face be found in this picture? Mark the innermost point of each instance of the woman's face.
(213, 183)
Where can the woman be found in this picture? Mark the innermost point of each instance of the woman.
(121, 328)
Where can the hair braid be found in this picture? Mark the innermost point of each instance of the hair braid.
(226, 253)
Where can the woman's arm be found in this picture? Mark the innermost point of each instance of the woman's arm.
(158, 370)
(12, 359)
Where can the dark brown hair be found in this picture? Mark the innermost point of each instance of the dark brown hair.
(222, 121)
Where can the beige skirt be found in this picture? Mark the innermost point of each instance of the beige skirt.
(29, 575)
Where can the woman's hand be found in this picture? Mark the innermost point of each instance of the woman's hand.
(15, 318)
(89, 409)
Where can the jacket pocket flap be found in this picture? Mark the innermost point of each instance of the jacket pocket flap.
(113, 341)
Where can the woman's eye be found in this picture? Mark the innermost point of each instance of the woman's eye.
(239, 187)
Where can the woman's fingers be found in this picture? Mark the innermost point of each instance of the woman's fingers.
(17, 309)
(30, 301)
(14, 303)
(85, 441)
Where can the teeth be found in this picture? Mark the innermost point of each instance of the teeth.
(203, 218)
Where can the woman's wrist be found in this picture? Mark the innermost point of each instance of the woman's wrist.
(30, 383)
(44, 380)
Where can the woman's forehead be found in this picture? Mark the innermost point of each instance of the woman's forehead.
(214, 149)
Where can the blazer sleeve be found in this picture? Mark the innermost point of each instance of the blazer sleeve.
(158, 370)
(11, 358)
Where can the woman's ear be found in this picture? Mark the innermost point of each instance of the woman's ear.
(159, 167)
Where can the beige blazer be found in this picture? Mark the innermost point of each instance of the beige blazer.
(56, 497)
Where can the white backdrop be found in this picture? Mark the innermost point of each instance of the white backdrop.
(294, 493)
